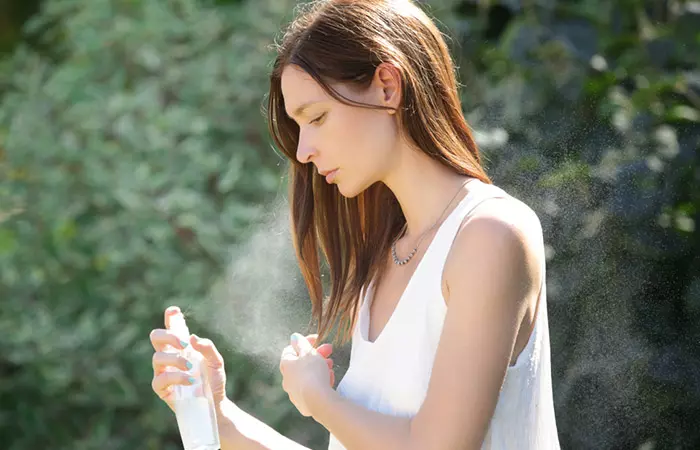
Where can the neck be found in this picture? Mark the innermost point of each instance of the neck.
(424, 188)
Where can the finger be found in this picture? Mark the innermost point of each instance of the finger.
(170, 312)
(161, 360)
(332, 378)
(325, 350)
(312, 338)
(300, 344)
(207, 348)
(289, 353)
(160, 338)
(161, 384)
(329, 362)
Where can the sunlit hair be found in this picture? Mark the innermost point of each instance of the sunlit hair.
(343, 41)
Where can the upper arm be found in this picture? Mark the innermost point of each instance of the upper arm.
(492, 272)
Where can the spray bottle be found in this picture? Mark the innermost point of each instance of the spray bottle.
(194, 404)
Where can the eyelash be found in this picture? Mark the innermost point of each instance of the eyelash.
(318, 118)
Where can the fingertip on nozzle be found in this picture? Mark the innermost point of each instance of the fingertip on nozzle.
(172, 310)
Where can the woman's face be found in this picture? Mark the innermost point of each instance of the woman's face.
(353, 145)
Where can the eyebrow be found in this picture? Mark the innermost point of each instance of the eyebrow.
(300, 110)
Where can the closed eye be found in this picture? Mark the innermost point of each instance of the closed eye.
(318, 119)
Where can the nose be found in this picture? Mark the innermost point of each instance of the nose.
(305, 151)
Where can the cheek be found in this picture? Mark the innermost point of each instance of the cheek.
(362, 138)
(378, 140)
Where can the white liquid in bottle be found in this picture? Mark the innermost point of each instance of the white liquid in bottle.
(194, 404)
(197, 427)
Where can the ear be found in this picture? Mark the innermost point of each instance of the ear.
(387, 78)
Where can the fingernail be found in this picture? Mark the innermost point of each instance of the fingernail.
(189, 365)
(191, 380)
(184, 344)
(294, 337)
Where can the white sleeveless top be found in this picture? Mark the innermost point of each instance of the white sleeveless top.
(391, 374)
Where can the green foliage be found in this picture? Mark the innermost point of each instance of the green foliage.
(590, 112)
(133, 156)
(13, 14)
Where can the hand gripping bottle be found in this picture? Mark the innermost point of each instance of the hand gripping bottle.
(194, 404)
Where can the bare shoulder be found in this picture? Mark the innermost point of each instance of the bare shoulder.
(499, 216)
(490, 282)
(500, 235)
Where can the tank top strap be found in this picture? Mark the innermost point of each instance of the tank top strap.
(442, 243)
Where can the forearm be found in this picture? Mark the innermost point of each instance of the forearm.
(359, 428)
(239, 430)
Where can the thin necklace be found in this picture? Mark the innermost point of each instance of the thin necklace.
(401, 262)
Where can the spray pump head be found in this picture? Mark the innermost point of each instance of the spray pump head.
(179, 327)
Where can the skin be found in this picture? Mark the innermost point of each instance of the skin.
(491, 306)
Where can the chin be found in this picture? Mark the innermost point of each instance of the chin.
(347, 193)
(350, 191)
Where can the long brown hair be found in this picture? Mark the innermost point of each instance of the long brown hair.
(344, 41)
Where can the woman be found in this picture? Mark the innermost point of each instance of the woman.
(437, 275)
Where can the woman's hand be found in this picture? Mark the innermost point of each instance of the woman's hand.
(307, 372)
(168, 367)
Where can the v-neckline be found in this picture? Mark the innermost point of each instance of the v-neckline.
(369, 295)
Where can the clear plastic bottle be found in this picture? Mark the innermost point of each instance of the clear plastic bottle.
(194, 404)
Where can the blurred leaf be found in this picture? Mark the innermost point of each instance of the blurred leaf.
(8, 241)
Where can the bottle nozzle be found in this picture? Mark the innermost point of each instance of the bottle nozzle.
(179, 327)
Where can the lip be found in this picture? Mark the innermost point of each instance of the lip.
(329, 174)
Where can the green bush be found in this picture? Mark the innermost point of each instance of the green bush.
(134, 161)
(134, 157)
(590, 112)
